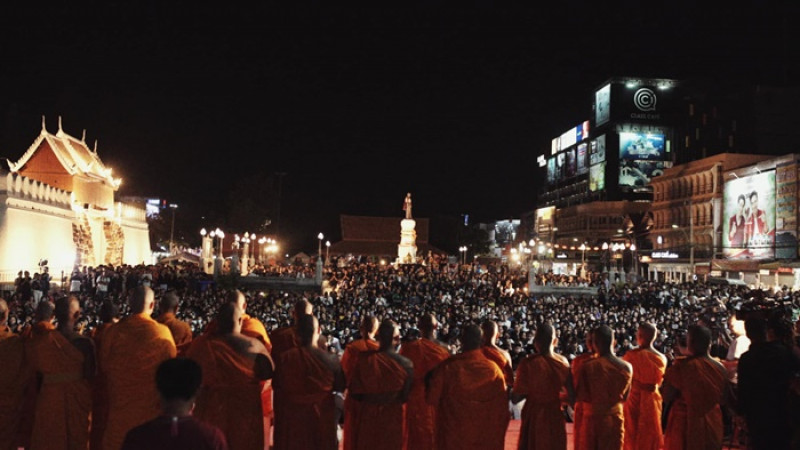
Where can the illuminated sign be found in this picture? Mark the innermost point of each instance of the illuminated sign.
(749, 217)
(642, 146)
(664, 255)
(542, 160)
(602, 105)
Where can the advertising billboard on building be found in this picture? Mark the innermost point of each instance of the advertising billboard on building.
(597, 177)
(597, 150)
(786, 211)
(551, 170)
(639, 173)
(583, 161)
(749, 217)
(642, 146)
(602, 105)
(572, 163)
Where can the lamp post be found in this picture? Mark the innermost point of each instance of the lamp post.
(583, 260)
(327, 252)
(463, 251)
(173, 207)
(319, 247)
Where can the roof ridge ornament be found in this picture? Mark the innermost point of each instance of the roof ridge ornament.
(83, 136)
(95, 147)
(44, 127)
(60, 130)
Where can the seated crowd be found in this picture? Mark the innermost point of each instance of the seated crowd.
(419, 356)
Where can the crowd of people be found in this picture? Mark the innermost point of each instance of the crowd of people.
(439, 355)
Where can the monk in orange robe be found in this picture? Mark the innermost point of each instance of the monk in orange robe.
(367, 329)
(285, 338)
(380, 384)
(490, 349)
(540, 381)
(233, 367)
(109, 315)
(604, 383)
(130, 353)
(181, 331)
(643, 406)
(65, 361)
(697, 385)
(470, 397)
(305, 379)
(425, 354)
(14, 375)
(578, 417)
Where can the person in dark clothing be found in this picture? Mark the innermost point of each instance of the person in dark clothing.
(178, 381)
(765, 372)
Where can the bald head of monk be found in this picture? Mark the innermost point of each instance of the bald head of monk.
(544, 340)
(229, 318)
(67, 310)
(590, 342)
(236, 296)
(490, 330)
(302, 307)
(44, 311)
(388, 335)
(369, 326)
(646, 335)
(143, 300)
(603, 340)
(109, 313)
(3, 313)
(169, 303)
(698, 339)
(471, 337)
(308, 330)
(428, 324)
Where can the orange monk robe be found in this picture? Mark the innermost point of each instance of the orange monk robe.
(578, 417)
(99, 394)
(379, 425)
(471, 401)
(230, 397)
(604, 385)
(643, 406)
(181, 331)
(14, 376)
(284, 338)
(351, 407)
(420, 416)
(25, 428)
(541, 380)
(64, 403)
(304, 385)
(702, 384)
(131, 351)
(503, 361)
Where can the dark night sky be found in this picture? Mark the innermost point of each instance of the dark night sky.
(356, 106)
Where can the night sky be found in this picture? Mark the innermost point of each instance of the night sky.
(355, 106)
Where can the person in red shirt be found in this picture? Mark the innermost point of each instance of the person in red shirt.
(178, 381)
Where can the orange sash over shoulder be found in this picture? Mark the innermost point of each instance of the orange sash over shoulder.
(352, 409)
(541, 380)
(578, 416)
(64, 403)
(697, 421)
(131, 351)
(380, 425)
(603, 384)
(502, 361)
(99, 395)
(14, 375)
(471, 401)
(231, 394)
(420, 416)
(304, 385)
(181, 331)
(643, 406)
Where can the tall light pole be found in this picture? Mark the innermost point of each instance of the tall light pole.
(463, 250)
(173, 207)
(327, 252)
(583, 260)
(320, 237)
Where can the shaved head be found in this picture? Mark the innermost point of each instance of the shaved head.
(603, 338)
(698, 339)
(169, 302)
(544, 335)
(229, 318)
(66, 309)
(308, 329)
(237, 297)
(302, 307)
(471, 337)
(44, 311)
(142, 300)
(387, 332)
(369, 326)
(427, 323)
(647, 333)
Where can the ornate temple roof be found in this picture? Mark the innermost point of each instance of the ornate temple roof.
(73, 154)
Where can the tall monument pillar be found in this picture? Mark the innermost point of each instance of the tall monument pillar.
(407, 250)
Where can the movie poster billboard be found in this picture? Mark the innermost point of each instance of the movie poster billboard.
(749, 217)
(786, 211)
(551, 170)
(642, 146)
(572, 165)
(561, 166)
(583, 160)
(597, 150)
(639, 173)
(597, 177)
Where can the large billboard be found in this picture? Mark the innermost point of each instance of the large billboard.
(583, 160)
(597, 151)
(642, 146)
(749, 217)
(636, 173)
(572, 163)
(551, 170)
(602, 105)
(597, 177)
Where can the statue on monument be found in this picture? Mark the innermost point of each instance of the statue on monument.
(407, 206)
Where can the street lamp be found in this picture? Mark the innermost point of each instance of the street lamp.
(463, 250)
(583, 260)
(319, 247)
(327, 252)
(173, 207)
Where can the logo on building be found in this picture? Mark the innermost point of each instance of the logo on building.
(645, 99)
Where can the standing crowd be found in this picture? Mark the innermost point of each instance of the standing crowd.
(410, 357)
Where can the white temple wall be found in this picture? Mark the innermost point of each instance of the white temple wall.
(137, 246)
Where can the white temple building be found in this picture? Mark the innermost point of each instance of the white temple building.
(57, 204)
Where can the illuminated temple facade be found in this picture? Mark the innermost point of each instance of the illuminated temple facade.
(57, 204)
